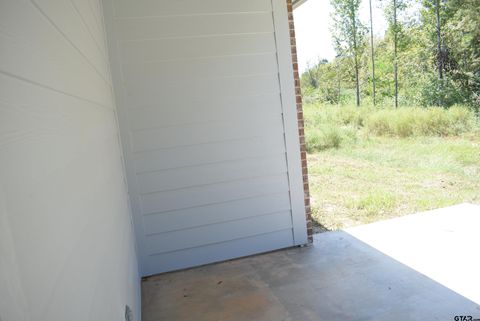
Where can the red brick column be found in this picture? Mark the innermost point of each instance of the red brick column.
(301, 130)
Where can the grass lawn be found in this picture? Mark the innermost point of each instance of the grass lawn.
(381, 177)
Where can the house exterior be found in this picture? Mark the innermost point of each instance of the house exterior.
(141, 137)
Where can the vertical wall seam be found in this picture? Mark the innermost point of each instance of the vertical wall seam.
(119, 139)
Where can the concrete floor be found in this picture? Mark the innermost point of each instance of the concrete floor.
(419, 267)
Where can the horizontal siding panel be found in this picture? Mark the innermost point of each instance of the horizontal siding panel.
(218, 252)
(64, 15)
(192, 26)
(188, 48)
(207, 165)
(215, 108)
(98, 7)
(46, 113)
(61, 174)
(146, 8)
(37, 52)
(92, 21)
(218, 233)
(166, 71)
(209, 153)
(203, 133)
(69, 193)
(211, 173)
(211, 194)
(148, 93)
(216, 213)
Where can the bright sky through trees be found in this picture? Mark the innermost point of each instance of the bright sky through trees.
(312, 29)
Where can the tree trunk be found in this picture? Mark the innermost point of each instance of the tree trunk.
(355, 53)
(439, 53)
(339, 80)
(372, 52)
(439, 41)
(357, 81)
(395, 64)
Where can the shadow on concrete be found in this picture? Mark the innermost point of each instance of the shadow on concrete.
(341, 277)
(319, 228)
(347, 279)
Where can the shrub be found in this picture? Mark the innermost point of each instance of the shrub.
(447, 92)
(405, 124)
(332, 126)
(351, 115)
(323, 138)
(433, 121)
(463, 119)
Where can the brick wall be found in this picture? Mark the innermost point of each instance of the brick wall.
(300, 121)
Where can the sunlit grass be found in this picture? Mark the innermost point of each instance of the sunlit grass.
(369, 177)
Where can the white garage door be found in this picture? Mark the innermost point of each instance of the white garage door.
(207, 114)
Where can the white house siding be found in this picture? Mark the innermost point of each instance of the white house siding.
(67, 250)
(205, 92)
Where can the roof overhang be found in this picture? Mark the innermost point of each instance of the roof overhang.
(298, 3)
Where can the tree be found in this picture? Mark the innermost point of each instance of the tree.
(348, 34)
(461, 49)
(453, 29)
(439, 40)
(395, 44)
(439, 49)
(312, 73)
(395, 29)
(434, 45)
(372, 52)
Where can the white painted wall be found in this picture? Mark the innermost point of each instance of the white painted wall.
(208, 119)
(66, 241)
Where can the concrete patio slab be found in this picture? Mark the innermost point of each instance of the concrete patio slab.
(424, 266)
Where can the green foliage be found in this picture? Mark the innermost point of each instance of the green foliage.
(367, 164)
(446, 92)
(418, 57)
(324, 138)
(331, 127)
(348, 34)
(433, 121)
(323, 83)
(347, 29)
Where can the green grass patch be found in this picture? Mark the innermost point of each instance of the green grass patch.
(413, 122)
(359, 175)
(329, 126)
(374, 203)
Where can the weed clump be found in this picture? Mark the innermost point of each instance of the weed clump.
(329, 126)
